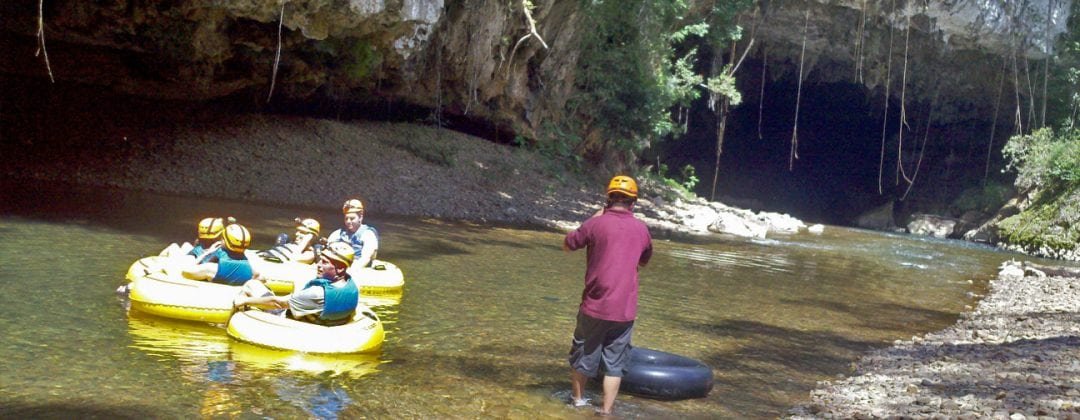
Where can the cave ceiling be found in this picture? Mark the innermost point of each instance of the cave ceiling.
(477, 58)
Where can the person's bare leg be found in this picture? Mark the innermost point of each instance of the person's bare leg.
(611, 390)
(577, 385)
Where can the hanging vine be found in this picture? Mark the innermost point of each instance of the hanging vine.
(722, 91)
(903, 109)
(1019, 118)
(798, 95)
(526, 8)
(720, 99)
(1046, 62)
(41, 39)
(885, 118)
(993, 126)
(859, 44)
(761, 95)
(922, 149)
(277, 57)
(1031, 94)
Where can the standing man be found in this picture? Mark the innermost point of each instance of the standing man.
(617, 245)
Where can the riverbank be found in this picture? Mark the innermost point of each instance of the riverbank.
(1016, 356)
(396, 168)
(421, 170)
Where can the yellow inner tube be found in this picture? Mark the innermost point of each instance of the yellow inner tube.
(363, 334)
(172, 296)
(382, 279)
(202, 342)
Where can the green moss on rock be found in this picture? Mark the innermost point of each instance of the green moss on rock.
(1049, 227)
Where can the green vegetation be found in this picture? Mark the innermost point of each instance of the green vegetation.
(685, 182)
(637, 63)
(354, 58)
(1047, 162)
(1048, 169)
(1064, 83)
(361, 60)
(984, 199)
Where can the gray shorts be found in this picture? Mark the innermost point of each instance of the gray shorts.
(600, 346)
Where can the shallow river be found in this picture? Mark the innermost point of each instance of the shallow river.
(483, 327)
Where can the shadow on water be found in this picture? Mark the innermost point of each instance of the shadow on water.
(165, 218)
(75, 410)
(881, 316)
(744, 371)
(484, 325)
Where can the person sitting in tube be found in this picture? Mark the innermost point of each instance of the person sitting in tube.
(230, 266)
(363, 239)
(300, 249)
(209, 233)
(330, 299)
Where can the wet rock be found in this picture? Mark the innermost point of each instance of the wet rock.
(879, 218)
(931, 225)
(732, 224)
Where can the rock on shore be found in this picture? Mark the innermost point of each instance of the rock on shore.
(1016, 356)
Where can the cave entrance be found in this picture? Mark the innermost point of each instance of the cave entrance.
(836, 175)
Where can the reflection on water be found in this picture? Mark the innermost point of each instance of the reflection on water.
(482, 329)
(209, 358)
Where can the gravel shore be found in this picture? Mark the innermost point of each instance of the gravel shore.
(1016, 356)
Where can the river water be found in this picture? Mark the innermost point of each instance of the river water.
(483, 327)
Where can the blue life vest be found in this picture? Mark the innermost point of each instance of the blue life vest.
(356, 239)
(339, 302)
(214, 256)
(233, 268)
(197, 251)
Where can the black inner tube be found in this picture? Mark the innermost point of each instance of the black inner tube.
(665, 376)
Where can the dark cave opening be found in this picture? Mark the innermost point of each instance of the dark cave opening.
(840, 152)
(834, 180)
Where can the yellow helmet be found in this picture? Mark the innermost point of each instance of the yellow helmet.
(236, 238)
(339, 252)
(624, 185)
(307, 226)
(211, 227)
(352, 206)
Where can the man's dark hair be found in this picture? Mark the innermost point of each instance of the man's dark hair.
(620, 198)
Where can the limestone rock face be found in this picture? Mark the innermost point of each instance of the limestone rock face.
(732, 224)
(460, 56)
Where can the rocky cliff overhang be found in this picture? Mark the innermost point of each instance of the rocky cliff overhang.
(952, 52)
(476, 58)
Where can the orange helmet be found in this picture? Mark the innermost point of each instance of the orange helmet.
(624, 185)
(352, 206)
